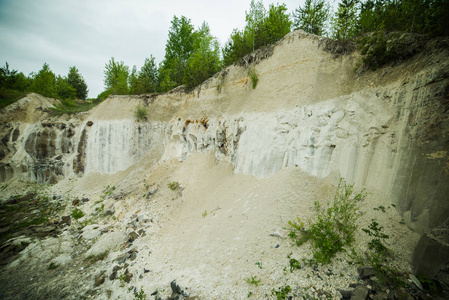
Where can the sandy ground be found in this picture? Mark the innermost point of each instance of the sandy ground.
(212, 234)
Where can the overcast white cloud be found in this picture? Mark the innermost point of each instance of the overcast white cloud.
(87, 33)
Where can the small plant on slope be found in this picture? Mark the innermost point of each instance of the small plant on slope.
(254, 77)
(140, 113)
(334, 226)
(253, 280)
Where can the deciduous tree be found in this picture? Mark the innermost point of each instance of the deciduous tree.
(116, 77)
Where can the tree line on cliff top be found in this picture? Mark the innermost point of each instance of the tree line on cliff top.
(193, 55)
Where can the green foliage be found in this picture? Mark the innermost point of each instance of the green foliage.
(312, 17)
(146, 80)
(381, 208)
(282, 292)
(76, 80)
(140, 113)
(379, 48)
(64, 89)
(413, 16)
(103, 95)
(345, 20)
(173, 185)
(259, 264)
(375, 231)
(140, 295)
(74, 106)
(204, 214)
(428, 284)
(253, 76)
(253, 280)
(13, 85)
(334, 226)
(116, 77)
(77, 214)
(262, 28)
(294, 263)
(205, 58)
(44, 82)
(179, 47)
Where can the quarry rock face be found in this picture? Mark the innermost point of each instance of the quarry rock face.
(387, 130)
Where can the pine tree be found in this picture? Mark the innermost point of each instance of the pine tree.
(76, 80)
(345, 20)
(312, 17)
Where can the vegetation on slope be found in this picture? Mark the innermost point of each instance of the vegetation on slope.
(193, 55)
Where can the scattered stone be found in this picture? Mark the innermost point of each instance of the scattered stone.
(277, 246)
(276, 234)
(76, 202)
(133, 235)
(141, 232)
(146, 271)
(89, 123)
(416, 281)
(346, 293)
(85, 200)
(128, 276)
(113, 275)
(360, 293)
(366, 272)
(175, 287)
(152, 191)
(99, 280)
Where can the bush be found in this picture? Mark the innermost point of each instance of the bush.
(333, 228)
(379, 48)
(140, 113)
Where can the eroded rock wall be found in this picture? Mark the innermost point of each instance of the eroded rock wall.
(386, 130)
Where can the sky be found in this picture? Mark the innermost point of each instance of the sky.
(87, 33)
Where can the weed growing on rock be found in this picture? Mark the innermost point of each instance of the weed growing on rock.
(94, 258)
(375, 231)
(253, 76)
(294, 263)
(173, 185)
(107, 191)
(380, 208)
(77, 213)
(259, 264)
(253, 280)
(282, 292)
(334, 226)
(379, 257)
(140, 295)
(140, 113)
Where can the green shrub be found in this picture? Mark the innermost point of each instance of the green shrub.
(140, 113)
(254, 77)
(334, 226)
(380, 48)
(77, 213)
